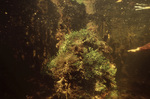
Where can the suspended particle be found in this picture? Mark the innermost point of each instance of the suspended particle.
(6, 12)
(34, 53)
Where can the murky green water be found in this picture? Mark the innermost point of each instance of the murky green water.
(30, 30)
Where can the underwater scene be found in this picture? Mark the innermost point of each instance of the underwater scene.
(75, 49)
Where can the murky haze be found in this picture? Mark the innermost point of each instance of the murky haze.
(28, 40)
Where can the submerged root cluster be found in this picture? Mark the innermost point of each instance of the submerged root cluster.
(80, 69)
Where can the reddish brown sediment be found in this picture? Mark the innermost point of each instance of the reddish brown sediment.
(145, 47)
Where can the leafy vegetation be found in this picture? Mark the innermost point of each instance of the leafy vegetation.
(81, 70)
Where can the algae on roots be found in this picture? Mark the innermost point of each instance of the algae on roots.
(81, 63)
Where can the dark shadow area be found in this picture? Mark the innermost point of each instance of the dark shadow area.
(20, 34)
(134, 80)
(74, 16)
(139, 73)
